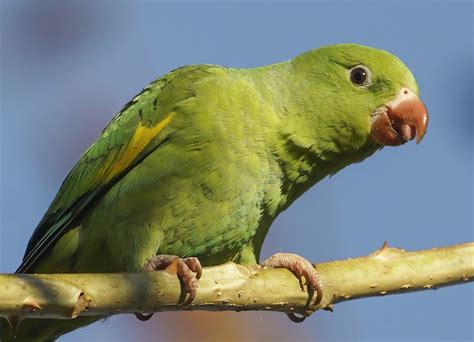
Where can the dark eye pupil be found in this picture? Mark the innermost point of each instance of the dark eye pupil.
(358, 75)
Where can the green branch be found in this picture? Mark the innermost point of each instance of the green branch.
(232, 287)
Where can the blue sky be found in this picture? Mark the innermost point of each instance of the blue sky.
(68, 67)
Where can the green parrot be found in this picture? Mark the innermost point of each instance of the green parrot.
(197, 166)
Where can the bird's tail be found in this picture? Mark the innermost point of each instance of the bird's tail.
(36, 330)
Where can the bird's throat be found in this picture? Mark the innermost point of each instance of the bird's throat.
(304, 166)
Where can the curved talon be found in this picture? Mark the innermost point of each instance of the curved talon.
(293, 317)
(192, 295)
(143, 317)
(319, 293)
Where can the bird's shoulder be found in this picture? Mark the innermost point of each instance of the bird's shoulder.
(138, 129)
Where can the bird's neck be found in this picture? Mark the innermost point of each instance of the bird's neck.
(302, 167)
(306, 144)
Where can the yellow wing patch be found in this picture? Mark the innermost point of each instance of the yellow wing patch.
(141, 138)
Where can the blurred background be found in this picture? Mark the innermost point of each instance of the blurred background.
(68, 66)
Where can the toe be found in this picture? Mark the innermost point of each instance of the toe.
(188, 276)
(300, 268)
(189, 270)
(194, 265)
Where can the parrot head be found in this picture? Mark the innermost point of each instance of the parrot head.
(369, 95)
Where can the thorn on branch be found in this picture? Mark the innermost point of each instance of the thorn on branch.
(83, 303)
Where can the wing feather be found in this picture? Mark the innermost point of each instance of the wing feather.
(133, 133)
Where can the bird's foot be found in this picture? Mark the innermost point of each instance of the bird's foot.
(188, 270)
(300, 268)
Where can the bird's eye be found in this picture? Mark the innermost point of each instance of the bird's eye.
(359, 75)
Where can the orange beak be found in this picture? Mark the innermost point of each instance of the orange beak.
(400, 120)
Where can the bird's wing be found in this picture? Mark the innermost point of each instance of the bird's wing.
(139, 128)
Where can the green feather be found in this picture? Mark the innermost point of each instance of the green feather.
(205, 158)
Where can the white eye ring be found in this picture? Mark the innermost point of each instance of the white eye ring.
(360, 76)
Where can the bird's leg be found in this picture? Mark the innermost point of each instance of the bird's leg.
(189, 270)
(300, 268)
